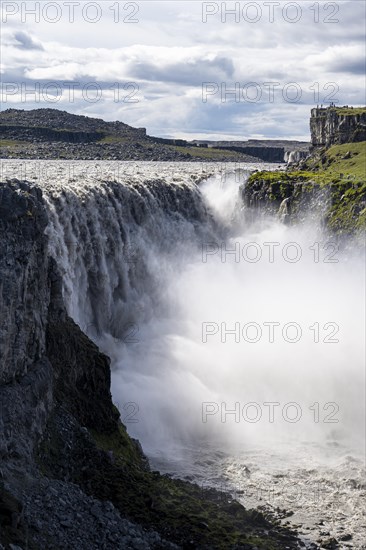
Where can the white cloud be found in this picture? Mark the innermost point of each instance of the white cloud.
(170, 52)
(348, 58)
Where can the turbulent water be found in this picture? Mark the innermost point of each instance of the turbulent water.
(236, 341)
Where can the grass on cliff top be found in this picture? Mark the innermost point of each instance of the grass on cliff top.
(114, 139)
(348, 159)
(339, 164)
(274, 176)
(347, 111)
(11, 143)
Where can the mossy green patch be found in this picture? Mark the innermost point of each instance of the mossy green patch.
(114, 139)
(340, 162)
(122, 446)
(182, 512)
(341, 170)
(280, 176)
(347, 213)
(11, 143)
(350, 111)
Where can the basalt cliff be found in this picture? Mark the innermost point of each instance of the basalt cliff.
(335, 126)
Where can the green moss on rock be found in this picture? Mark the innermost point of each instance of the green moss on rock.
(337, 175)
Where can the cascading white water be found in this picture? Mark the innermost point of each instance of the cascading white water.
(179, 360)
(235, 347)
(110, 239)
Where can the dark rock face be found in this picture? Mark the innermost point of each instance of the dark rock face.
(26, 378)
(45, 358)
(267, 154)
(333, 126)
(24, 289)
(47, 134)
(24, 411)
(81, 375)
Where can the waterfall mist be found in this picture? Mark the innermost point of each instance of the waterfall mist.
(184, 372)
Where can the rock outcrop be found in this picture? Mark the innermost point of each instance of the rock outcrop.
(265, 153)
(289, 199)
(39, 134)
(332, 126)
(339, 207)
(24, 287)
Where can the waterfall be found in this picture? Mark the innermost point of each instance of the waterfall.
(111, 240)
(157, 255)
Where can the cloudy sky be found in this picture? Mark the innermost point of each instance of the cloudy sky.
(196, 70)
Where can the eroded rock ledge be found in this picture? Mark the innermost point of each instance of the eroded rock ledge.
(335, 126)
